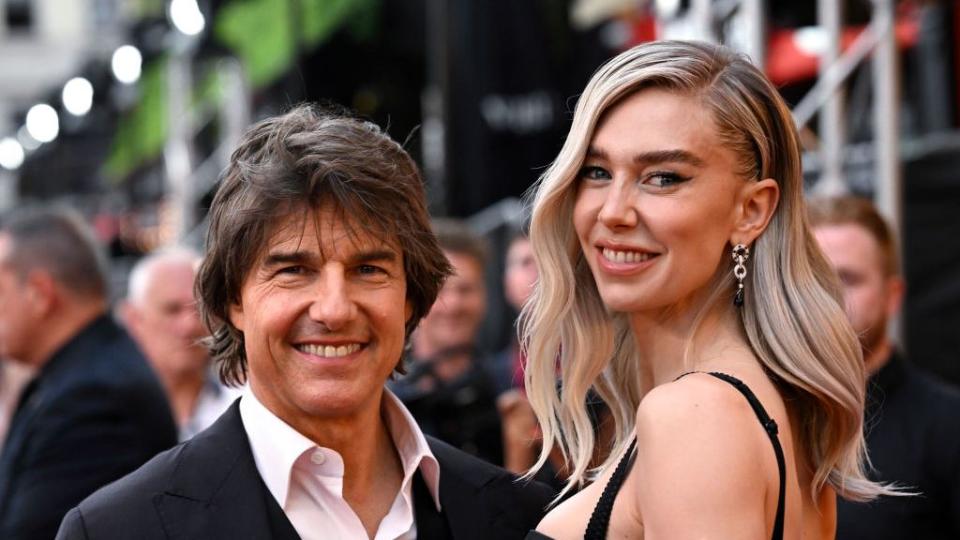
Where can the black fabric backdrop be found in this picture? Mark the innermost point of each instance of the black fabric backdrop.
(931, 260)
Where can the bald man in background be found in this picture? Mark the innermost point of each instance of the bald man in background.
(161, 314)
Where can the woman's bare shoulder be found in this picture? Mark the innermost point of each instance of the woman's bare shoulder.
(698, 399)
(703, 460)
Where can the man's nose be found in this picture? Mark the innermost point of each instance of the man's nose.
(332, 305)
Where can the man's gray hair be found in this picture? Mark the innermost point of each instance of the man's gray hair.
(58, 240)
(142, 272)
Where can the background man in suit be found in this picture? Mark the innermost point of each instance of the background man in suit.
(160, 311)
(912, 425)
(320, 262)
(95, 411)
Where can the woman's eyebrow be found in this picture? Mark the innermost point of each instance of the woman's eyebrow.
(663, 156)
(654, 156)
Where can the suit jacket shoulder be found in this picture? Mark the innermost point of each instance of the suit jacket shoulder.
(481, 500)
(94, 413)
(209, 487)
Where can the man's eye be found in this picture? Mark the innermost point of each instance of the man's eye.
(591, 172)
(369, 269)
(295, 270)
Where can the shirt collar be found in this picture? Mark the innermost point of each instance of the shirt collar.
(411, 445)
(276, 446)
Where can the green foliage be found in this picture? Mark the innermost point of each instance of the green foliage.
(266, 35)
(141, 133)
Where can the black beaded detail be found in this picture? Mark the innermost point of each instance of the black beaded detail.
(738, 298)
(600, 518)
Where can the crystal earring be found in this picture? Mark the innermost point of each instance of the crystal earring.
(740, 255)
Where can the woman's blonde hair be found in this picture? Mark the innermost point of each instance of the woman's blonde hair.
(791, 316)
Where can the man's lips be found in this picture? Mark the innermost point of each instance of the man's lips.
(329, 351)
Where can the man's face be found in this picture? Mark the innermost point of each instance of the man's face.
(19, 309)
(520, 273)
(455, 317)
(871, 297)
(165, 321)
(323, 313)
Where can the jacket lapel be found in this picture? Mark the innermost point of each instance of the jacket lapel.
(216, 491)
(61, 370)
(431, 524)
(470, 511)
(20, 426)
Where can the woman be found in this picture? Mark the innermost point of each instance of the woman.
(678, 279)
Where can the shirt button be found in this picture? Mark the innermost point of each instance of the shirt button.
(318, 457)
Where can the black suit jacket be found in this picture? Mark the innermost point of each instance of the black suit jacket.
(912, 425)
(94, 413)
(209, 488)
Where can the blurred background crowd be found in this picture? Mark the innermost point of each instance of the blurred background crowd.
(127, 110)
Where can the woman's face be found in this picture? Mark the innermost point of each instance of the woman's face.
(657, 202)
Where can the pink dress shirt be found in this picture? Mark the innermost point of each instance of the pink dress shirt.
(307, 480)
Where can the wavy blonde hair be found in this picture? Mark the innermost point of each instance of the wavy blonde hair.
(792, 317)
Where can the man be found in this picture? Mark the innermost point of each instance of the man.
(161, 314)
(450, 389)
(448, 333)
(95, 411)
(519, 276)
(319, 264)
(912, 425)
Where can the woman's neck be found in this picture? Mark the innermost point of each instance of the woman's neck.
(672, 342)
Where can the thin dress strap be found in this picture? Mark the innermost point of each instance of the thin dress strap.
(600, 518)
(770, 426)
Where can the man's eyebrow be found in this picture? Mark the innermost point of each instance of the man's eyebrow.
(286, 257)
(656, 156)
(301, 257)
(375, 255)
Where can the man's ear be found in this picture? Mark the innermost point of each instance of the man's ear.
(235, 314)
(129, 315)
(756, 204)
(42, 291)
(896, 290)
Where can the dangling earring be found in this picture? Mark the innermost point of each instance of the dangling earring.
(740, 255)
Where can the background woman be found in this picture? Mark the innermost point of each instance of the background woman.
(678, 278)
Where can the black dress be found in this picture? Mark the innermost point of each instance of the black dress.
(600, 518)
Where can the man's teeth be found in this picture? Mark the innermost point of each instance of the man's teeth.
(617, 256)
(329, 351)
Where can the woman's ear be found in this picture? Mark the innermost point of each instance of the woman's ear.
(756, 205)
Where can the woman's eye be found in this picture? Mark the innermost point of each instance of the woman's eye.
(665, 179)
(594, 173)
